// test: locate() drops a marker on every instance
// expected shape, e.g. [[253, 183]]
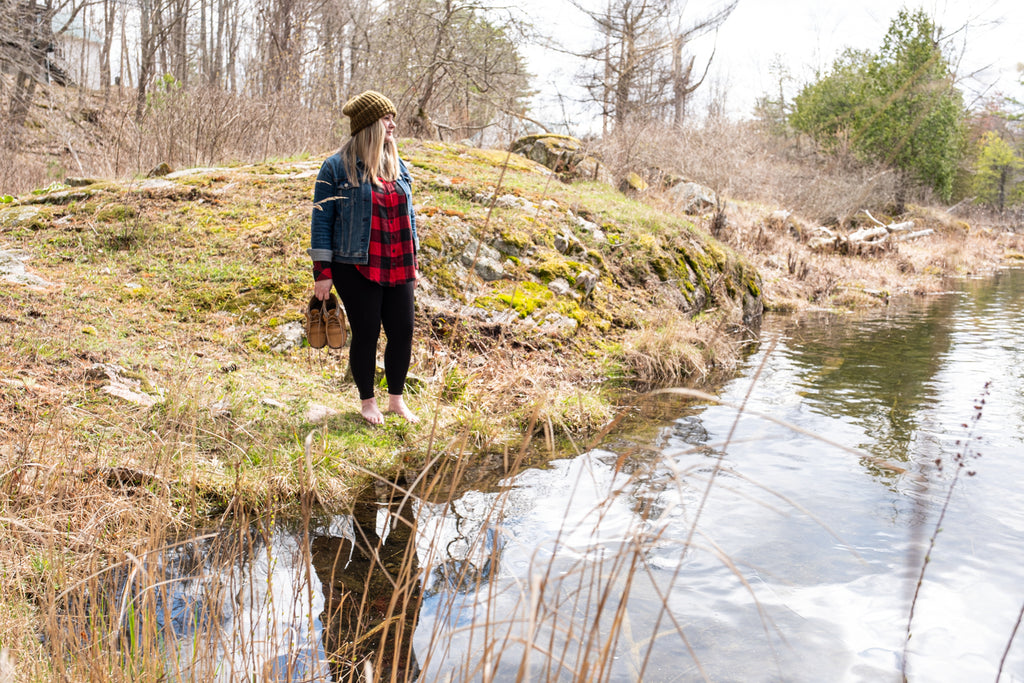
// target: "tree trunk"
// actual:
[[231, 59], [624, 84], [21, 100], [204, 48], [681, 76], [1004, 179], [902, 185], [109, 25], [147, 45]]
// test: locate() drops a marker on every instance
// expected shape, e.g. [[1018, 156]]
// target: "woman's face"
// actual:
[[389, 127]]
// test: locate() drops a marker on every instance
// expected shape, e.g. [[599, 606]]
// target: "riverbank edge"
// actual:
[[223, 438]]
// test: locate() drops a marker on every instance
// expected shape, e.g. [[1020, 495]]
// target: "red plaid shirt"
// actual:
[[392, 255]]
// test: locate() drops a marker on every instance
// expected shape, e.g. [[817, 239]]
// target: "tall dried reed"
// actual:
[[316, 595]]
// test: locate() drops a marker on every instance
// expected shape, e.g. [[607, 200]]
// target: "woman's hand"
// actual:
[[322, 289]]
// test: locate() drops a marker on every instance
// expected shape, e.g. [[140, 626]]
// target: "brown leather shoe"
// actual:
[[316, 324], [335, 320]]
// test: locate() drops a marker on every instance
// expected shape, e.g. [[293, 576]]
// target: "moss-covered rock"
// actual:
[[563, 154]]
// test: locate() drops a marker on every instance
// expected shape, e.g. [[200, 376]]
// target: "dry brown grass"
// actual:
[[757, 176], [681, 350], [796, 276], [70, 521], [71, 132]]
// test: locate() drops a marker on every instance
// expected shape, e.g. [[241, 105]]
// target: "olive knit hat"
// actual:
[[365, 108]]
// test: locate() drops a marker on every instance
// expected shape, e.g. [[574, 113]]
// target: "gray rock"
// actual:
[[127, 393], [484, 259], [12, 269], [161, 169], [559, 286], [318, 414], [589, 227], [273, 403], [79, 182], [158, 184], [586, 281], [555, 324], [583, 223], [563, 154], [568, 243], [114, 382], [693, 198], [19, 215], [477, 250], [510, 201], [489, 269], [289, 337], [510, 249]]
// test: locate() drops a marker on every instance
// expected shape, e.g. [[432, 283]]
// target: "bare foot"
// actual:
[[371, 413], [396, 404]]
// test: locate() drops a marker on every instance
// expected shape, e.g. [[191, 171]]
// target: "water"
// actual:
[[718, 544]]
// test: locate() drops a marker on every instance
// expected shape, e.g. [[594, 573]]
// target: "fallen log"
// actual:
[[864, 239], [915, 235], [867, 234]]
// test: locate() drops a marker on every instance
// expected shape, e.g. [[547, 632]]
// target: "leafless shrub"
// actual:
[[207, 125], [740, 161], [75, 132]]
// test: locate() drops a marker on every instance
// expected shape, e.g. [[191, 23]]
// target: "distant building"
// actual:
[[33, 48], [78, 55]]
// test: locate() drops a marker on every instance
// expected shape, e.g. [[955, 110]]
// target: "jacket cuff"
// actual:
[[320, 254]]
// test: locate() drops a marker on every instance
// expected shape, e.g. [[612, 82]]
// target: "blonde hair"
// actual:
[[379, 156]]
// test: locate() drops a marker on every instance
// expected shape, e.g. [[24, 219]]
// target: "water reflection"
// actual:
[[235, 603], [878, 373], [371, 588], [800, 554]]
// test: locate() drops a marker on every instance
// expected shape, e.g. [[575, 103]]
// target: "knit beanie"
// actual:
[[365, 108]]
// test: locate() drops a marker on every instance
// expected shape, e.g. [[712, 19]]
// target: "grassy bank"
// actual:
[[152, 379]]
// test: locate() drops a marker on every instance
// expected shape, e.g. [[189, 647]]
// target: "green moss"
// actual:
[[570, 309], [662, 266], [520, 239], [552, 265], [32, 218], [111, 213], [498, 158], [525, 299], [644, 241], [431, 242], [597, 258]]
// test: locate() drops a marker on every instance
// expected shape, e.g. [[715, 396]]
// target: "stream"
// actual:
[[774, 533]]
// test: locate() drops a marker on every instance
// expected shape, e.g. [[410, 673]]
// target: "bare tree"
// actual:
[[452, 65], [239, 77], [27, 49], [641, 68], [283, 26]]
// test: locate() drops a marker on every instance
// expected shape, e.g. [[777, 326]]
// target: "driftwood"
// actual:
[[865, 240]]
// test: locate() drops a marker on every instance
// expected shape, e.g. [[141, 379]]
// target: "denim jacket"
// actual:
[[340, 227]]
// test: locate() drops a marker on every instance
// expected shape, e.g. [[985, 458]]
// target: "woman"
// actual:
[[363, 241]]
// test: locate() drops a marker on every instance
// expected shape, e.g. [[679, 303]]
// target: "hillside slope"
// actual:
[[164, 333]]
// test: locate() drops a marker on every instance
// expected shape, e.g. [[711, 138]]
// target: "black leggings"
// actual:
[[369, 306]]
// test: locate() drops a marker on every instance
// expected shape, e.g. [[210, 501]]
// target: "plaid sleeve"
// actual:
[[322, 270]]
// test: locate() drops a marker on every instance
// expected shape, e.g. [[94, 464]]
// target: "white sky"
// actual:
[[805, 35]]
